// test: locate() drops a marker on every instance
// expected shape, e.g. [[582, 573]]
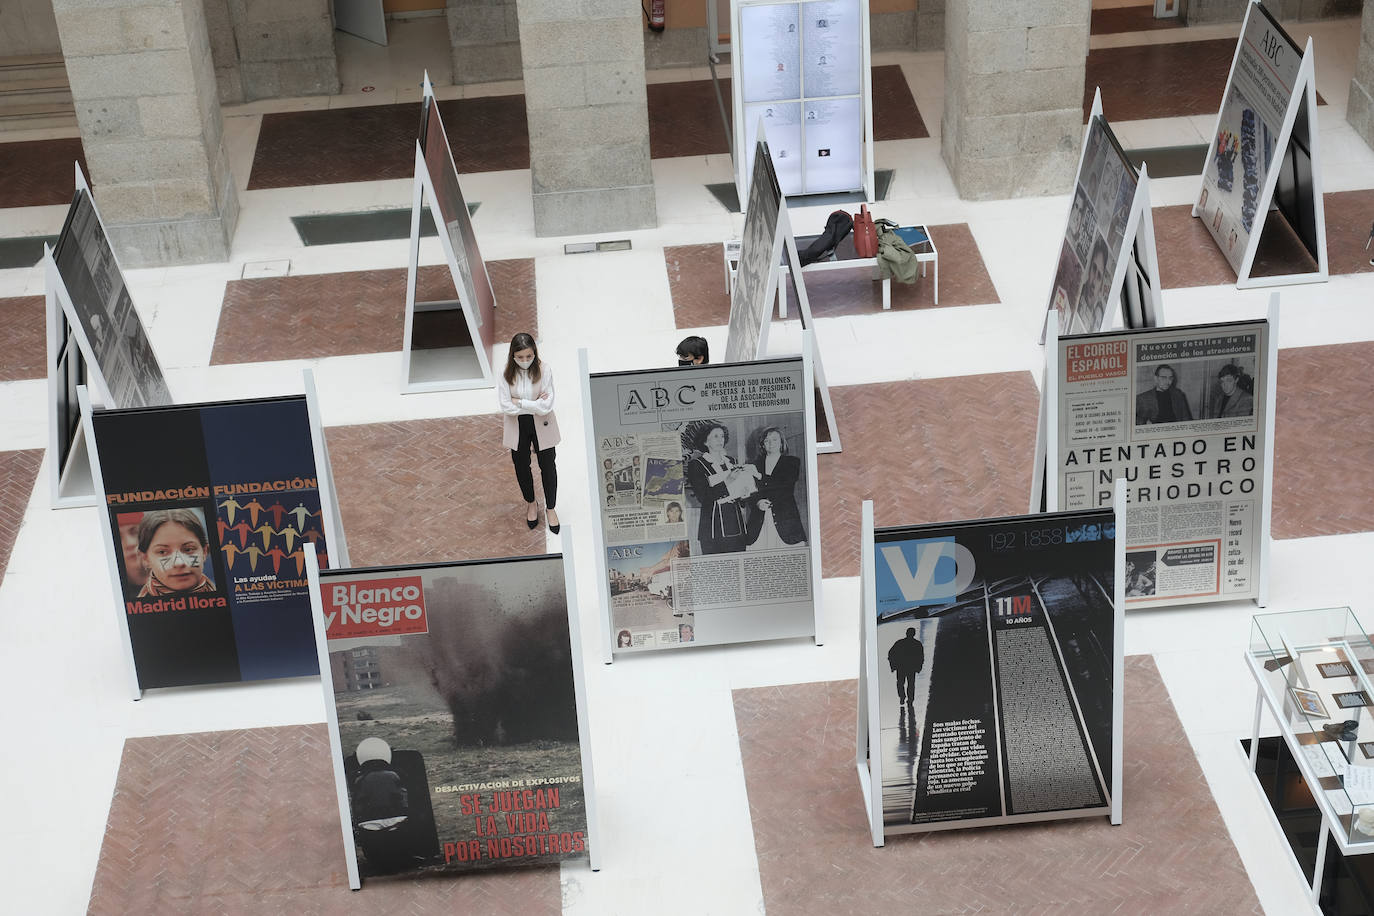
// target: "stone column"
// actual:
[[284, 47], [144, 89], [484, 36], [588, 115], [1360, 107], [1014, 71]]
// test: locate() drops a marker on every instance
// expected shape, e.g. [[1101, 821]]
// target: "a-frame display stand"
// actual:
[[433, 356], [759, 280], [73, 362], [1133, 292], [804, 68], [1264, 155], [868, 752], [330, 518]]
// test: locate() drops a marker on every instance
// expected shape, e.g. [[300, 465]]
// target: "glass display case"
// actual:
[[1315, 671]]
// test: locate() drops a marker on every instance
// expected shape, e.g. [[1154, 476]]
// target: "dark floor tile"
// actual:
[[1159, 81], [18, 473], [315, 315], [431, 490], [1130, 19], [25, 352], [696, 281], [954, 448], [377, 142], [1323, 442], [1171, 855], [684, 117], [247, 822], [39, 173]]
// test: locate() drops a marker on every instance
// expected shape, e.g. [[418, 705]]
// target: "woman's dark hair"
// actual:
[[521, 341], [706, 431], [763, 449], [159, 517], [694, 346]]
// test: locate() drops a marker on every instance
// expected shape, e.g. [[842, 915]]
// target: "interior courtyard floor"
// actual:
[[947, 382]]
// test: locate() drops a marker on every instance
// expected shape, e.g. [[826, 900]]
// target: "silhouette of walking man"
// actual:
[[906, 658]]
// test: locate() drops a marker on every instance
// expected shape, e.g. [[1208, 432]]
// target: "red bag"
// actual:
[[865, 234]]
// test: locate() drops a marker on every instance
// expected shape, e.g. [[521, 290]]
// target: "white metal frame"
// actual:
[[1304, 90], [423, 195], [744, 154]]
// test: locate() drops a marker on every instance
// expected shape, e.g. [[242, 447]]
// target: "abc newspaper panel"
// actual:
[[700, 478]]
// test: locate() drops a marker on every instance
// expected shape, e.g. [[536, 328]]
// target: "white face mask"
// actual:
[[525, 363]]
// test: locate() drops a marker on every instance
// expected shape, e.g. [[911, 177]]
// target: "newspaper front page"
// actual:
[[1181, 414], [701, 484]]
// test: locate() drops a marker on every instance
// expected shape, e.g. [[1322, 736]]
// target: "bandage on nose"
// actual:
[[179, 558]]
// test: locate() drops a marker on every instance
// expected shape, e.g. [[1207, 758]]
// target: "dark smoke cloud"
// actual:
[[507, 678]]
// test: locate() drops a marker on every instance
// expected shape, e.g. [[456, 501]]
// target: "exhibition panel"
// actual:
[[706, 516], [1108, 271], [95, 338], [766, 247], [447, 345], [457, 715], [803, 73], [1004, 637], [1185, 415], [206, 540], [1268, 118]]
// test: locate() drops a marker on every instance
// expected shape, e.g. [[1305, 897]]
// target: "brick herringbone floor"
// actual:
[[247, 822], [696, 281], [18, 471], [337, 314], [25, 352], [377, 142], [39, 173], [423, 490], [1189, 256], [926, 451], [1171, 855], [1323, 442]]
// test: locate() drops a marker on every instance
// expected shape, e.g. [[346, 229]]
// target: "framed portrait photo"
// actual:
[[1309, 701]]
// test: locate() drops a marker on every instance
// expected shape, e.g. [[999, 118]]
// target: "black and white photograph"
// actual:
[[1215, 388], [731, 554], [751, 299]]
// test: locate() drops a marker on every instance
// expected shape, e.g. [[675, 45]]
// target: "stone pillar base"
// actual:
[[595, 210]]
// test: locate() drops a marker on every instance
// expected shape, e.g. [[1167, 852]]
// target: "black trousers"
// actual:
[[520, 457]]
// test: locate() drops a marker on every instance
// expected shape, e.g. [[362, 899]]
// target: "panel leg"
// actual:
[[1255, 728], [1321, 860], [887, 293]]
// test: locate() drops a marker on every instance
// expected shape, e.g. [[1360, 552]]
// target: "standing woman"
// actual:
[[525, 392], [775, 522]]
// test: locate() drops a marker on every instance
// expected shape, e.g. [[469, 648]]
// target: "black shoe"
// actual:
[[553, 529], [533, 522]]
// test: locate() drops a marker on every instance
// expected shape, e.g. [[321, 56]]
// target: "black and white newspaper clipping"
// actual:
[[701, 483], [1181, 414]]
